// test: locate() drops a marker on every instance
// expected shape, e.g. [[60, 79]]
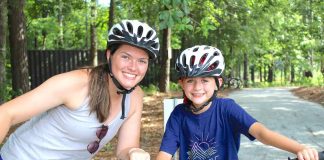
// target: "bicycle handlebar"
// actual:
[[320, 156]]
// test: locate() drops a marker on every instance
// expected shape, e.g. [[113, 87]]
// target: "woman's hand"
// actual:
[[138, 154]]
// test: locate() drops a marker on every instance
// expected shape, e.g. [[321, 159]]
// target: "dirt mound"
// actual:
[[314, 94]]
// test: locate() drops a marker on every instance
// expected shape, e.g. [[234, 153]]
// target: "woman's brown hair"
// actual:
[[98, 89], [99, 93]]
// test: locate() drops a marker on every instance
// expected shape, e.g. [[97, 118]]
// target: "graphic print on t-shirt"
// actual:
[[202, 148]]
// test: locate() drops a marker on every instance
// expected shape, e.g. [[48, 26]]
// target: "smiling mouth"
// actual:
[[197, 94], [129, 76]]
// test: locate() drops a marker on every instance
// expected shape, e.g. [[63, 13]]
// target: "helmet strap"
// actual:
[[120, 88], [194, 109], [218, 84]]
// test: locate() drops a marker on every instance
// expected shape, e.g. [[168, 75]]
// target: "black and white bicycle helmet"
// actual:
[[200, 61], [135, 33]]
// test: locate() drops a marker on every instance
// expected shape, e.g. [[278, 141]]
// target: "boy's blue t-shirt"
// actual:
[[214, 134]]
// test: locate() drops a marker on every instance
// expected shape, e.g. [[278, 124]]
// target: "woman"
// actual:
[[74, 114]]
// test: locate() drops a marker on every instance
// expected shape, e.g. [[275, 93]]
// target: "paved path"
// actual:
[[282, 112]]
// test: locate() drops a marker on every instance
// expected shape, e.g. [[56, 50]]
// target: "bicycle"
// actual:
[[320, 156], [232, 83]]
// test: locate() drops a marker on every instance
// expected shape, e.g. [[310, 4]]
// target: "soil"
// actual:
[[314, 94], [152, 118]]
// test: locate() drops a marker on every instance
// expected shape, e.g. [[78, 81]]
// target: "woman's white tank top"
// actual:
[[60, 134]]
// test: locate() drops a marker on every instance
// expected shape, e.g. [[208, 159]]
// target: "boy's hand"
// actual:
[[138, 154], [307, 154]]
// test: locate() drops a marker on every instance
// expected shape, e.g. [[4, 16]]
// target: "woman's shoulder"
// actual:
[[72, 85], [75, 77], [69, 82], [138, 92]]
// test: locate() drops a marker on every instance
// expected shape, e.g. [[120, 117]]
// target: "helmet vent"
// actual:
[[140, 31], [207, 47], [216, 53], [213, 66], [129, 27], [195, 49], [202, 59], [149, 34], [155, 45], [117, 32], [184, 60], [192, 61]]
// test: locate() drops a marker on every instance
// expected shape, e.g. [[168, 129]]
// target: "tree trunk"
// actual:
[[265, 73], [35, 41], [93, 32], [322, 65], [284, 72], [3, 38], [253, 74], [44, 32], [44, 36], [166, 53], [260, 70], [270, 73], [245, 70], [111, 14], [292, 73], [60, 19], [18, 45], [231, 67]]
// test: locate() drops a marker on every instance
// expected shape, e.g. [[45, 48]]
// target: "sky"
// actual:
[[104, 2]]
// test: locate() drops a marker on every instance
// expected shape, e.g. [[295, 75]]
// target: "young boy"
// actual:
[[208, 127]]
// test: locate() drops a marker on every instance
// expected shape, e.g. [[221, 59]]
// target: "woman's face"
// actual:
[[199, 89], [129, 65]]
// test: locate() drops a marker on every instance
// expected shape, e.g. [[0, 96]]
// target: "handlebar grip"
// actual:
[[320, 156]]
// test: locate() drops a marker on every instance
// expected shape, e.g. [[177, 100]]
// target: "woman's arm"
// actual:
[[53, 92], [269, 137], [129, 133]]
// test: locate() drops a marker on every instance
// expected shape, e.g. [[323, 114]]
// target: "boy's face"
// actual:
[[199, 89]]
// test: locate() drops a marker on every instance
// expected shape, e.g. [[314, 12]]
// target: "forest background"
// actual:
[[265, 42]]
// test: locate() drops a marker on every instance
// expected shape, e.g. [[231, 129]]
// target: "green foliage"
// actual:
[[284, 33], [316, 80], [43, 29], [175, 86], [172, 13], [206, 26], [150, 90]]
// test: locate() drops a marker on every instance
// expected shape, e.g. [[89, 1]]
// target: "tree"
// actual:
[[60, 21], [18, 46], [173, 12], [111, 14], [93, 33], [3, 38]]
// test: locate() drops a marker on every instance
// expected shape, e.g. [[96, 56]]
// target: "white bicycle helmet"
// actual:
[[200, 61], [135, 33]]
